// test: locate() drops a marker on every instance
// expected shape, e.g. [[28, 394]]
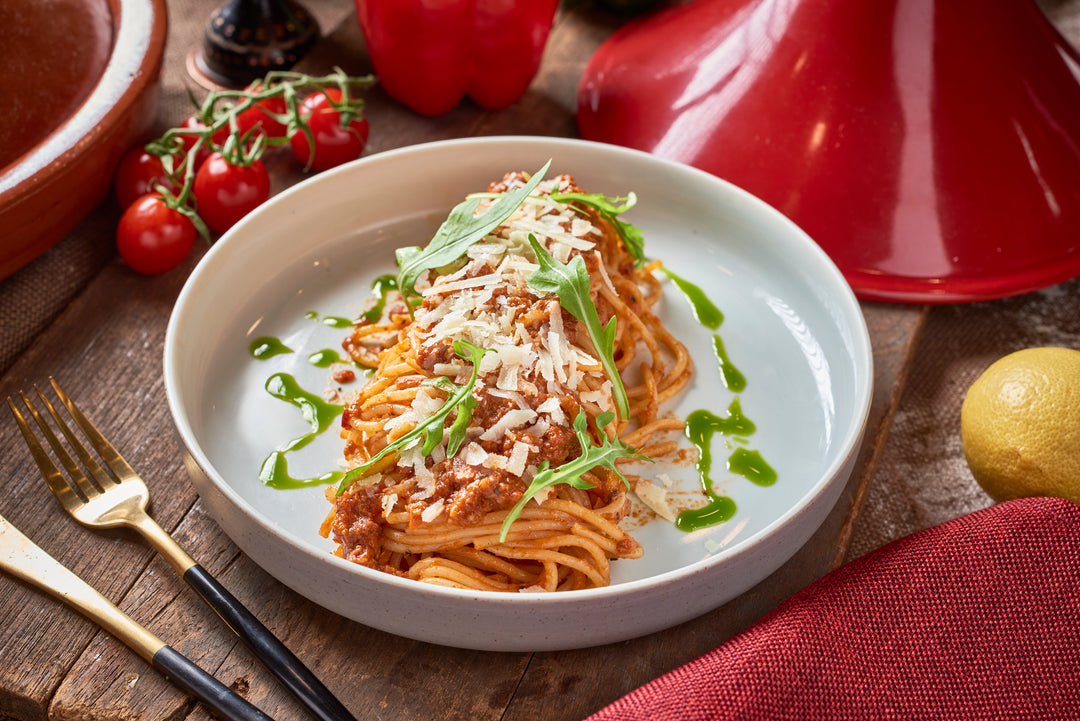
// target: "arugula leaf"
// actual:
[[460, 230], [461, 421], [570, 472], [460, 424], [631, 235], [571, 283], [431, 428]]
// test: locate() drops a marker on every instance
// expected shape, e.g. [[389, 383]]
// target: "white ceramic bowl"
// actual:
[[792, 325]]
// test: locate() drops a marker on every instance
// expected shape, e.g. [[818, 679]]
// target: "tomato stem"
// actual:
[[180, 148]]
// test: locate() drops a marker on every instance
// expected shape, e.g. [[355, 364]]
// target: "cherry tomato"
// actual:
[[334, 144], [225, 193], [260, 115], [152, 237], [136, 174]]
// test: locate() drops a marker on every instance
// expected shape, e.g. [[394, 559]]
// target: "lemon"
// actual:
[[1020, 425]]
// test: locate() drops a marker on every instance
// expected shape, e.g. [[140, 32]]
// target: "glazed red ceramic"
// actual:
[[75, 107], [931, 147]]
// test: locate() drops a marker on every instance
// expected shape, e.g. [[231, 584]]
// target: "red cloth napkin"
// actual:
[[977, 618]]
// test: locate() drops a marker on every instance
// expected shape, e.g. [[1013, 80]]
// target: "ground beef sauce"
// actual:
[[468, 491]]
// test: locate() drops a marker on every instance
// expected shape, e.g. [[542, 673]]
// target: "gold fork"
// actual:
[[119, 497]]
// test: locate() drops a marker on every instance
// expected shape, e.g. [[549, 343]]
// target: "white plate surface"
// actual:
[[792, 326]]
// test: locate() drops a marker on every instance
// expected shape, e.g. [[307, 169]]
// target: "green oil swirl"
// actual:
[[751, 466], [325, 358], [337, 322], [267, 347], [381, 287], [705, 311], [318, 413], [275, 473], [701, 426], [734, 380]]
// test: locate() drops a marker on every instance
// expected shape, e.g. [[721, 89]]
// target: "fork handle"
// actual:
[[289, 669]]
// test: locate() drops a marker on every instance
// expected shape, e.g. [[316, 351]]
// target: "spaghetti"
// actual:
[[488, 388]]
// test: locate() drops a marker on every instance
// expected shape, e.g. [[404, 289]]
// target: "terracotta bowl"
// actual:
[[74, 109]]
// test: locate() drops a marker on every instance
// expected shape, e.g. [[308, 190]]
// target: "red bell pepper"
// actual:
[[429, 54]]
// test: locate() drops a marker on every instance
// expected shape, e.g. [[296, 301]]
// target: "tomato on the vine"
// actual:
[[136, 175], [334, 144], [152, 237], [262, 114], [225, 193]]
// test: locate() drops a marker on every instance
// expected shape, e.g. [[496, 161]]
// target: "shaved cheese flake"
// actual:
[[555, 344], [550, 405], [495, 462], [426, 402], [592, 396], [542, 497], [519, 456], [450, 370], [479, 281], [655, 498], [539, 429], [555, 316], [432, 512], [513, 418], [388, 503], [545, 365], [581, 226], [473, 454], [554, 410], [414, 458], [604, 275], [408, 417]]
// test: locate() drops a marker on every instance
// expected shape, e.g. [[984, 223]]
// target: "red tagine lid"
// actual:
[[931, 148]]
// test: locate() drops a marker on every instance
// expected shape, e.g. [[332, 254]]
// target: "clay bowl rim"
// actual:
[[140, 29]]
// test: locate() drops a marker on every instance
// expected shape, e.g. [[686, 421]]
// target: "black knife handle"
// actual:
[[177, 669], [290, 670]]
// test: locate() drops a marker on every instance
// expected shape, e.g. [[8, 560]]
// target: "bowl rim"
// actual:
[[862, 361]]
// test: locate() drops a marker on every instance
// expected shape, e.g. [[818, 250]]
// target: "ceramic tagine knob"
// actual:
[[245, 39]]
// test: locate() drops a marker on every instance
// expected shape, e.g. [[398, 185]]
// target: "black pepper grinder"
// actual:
[[246, 39]]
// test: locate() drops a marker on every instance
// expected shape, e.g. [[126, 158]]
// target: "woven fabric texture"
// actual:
[[976, 618]]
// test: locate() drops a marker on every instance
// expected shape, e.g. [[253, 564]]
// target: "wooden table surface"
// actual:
[[106, 348]]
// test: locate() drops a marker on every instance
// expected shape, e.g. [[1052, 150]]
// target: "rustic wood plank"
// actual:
[[92, 360]]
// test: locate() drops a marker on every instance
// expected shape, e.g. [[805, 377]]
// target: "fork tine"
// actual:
[[60, 488], [104, 480], [76, 477], [108, 452]]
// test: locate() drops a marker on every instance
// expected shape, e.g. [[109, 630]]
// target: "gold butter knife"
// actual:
[[20, 557]]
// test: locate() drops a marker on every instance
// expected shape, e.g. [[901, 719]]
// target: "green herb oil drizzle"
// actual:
[[267, 347], [702, 425], [318, 413], [381, 287], [325, 358]]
